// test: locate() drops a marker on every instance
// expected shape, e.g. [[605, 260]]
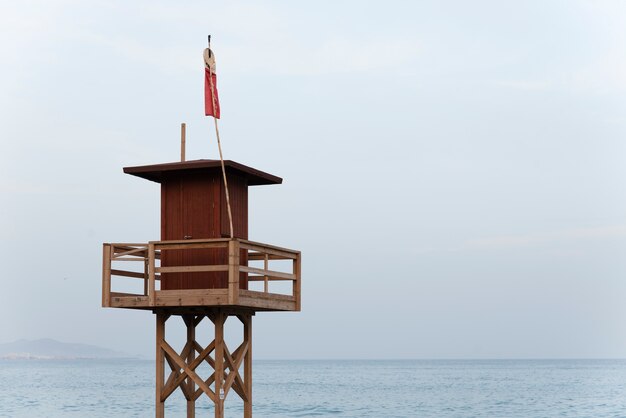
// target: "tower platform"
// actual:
[[215, 285]]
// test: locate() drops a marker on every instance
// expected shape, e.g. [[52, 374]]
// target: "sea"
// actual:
[[322, 388]]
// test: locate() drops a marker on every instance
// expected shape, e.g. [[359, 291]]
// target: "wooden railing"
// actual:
[[146, 255]]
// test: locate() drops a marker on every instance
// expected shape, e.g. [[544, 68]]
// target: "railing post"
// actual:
[[106, 275], [151, 267], [266, 267], [146, 268], [161, 318], [297, 270], [233, 271]]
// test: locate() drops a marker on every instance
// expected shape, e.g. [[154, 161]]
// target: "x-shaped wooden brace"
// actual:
[[177, 377], [233, 363], [177, 363], [181, 370]]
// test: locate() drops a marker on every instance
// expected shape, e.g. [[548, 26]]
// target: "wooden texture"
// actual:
[[155, 172], [106, 275], [161, 318], [234, 279], [225, 368], [193, 207], [202, 265], [191, 339], [247, 371], [297, 285], [232, 294], [151, 272], [219, 320], [183, 140]]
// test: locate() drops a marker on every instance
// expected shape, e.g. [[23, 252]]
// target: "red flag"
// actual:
[[208, 96]]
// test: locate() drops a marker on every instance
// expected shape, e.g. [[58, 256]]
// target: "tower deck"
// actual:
[[248, 274]]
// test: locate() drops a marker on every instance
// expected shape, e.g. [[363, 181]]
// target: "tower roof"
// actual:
[[154, 172]]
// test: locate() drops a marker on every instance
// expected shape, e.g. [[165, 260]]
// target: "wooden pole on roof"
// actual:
[[183, 128]]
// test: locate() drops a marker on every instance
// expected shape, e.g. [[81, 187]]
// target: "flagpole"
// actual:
[[219, 145]]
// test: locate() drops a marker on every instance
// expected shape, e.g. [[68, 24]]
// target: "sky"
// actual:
[[453, 171]]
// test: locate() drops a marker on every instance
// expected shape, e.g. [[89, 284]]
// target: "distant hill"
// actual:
[[52, 349]]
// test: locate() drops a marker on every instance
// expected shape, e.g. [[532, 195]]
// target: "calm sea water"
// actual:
[[508, 388]]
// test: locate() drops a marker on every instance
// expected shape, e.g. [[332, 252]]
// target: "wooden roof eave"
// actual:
[[154, 172]]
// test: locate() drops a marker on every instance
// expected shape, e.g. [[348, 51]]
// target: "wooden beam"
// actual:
[[198, 319], [192, 374], [192, 297], [247, 365], [191, 244], [267, 296], [234, 365], [183, 139], [233, 272], [128, 259], [187, 269], [270, 301], [160, 363], [266, 267], [151, 267], [125, 273], [219, 365], [269, 249], [146, 276], [276, 275], [193, 365], [123, 295], [237, 384], [261, 256], [125, 300], [223, 241], [261, 278], [141, 250], [106, 275], [204, 354], [297, 286], [176, 378]]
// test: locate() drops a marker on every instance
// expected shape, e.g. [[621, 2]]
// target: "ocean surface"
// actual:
[[420, 388]]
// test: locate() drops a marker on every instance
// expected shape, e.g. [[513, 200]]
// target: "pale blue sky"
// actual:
[[454, 171]]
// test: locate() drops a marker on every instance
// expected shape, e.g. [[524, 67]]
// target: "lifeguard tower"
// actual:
[[197, 272]]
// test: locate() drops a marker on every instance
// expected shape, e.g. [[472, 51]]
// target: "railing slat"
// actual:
[[187, 269], [270, 273], [129, 259], [288, 254], [125, 273], [166, 246], [274, 248], [273, 279], [261, 256], [131, 252]]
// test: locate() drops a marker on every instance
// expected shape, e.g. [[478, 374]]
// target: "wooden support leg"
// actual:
[[160, 363], [226, 365], [191, 339], [247, 365], [220, 318]]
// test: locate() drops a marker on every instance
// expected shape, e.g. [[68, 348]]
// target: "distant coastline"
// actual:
[[50, 349]]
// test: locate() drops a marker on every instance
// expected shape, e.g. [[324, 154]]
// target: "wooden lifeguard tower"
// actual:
[[196, 271]]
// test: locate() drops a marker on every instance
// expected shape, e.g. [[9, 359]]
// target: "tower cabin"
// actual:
[[198, 271], [196, 263]]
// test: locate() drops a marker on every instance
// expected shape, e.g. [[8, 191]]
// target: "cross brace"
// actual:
[[225, 365]]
